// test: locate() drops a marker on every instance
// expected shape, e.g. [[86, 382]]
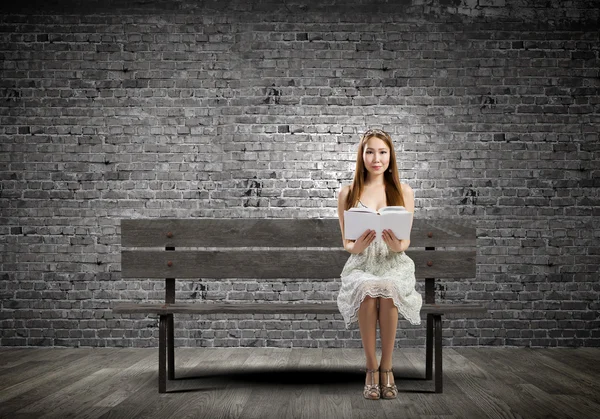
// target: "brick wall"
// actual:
[[254, 109]]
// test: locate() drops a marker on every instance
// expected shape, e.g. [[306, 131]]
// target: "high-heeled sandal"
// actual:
[[388, 391], [372, 391]]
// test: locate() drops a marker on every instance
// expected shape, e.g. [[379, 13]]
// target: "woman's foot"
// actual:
[[371, 390], [388, 387]]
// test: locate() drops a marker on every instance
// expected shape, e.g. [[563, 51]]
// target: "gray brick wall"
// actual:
[[254, 109]]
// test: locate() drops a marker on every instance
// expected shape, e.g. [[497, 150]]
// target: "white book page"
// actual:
[[356, 222], [400, 222], [392, 209], [356, 209]]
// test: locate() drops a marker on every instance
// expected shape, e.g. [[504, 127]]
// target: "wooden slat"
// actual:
[[272, 308], [271, 232], [313, 264]]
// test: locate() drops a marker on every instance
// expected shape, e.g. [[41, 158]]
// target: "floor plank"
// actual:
[[32, 364], [189, 364], [109, 383], [427, 403], [334, 363], [493, 387], [575, 358], [570, 406], [58, 374], [550, 375]]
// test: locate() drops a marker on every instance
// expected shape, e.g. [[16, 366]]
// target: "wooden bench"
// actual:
[[277, 249]]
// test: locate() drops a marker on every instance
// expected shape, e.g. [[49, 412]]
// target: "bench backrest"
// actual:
[[262, 248]]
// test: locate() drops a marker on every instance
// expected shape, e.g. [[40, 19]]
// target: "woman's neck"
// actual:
[[374, 181]]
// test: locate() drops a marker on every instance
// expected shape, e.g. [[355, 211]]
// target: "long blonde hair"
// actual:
[[393, 191]]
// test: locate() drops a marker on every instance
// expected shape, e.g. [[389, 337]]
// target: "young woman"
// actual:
[[378, 280]]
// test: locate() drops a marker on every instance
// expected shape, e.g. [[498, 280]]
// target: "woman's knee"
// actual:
[[369, 302], [386, 303]]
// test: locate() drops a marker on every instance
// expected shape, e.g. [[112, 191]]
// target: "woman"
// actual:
[[378, 280]]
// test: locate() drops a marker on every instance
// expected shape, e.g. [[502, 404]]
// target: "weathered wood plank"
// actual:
[[232, 399], [413, 360], [91, 403], [574, 405], [334, 363], [78, 385], [554, 388], [551, 373], [217, 382], [10, 358], [271, 308], [272, 366], [31, 368], [61, 371], [192, 366], [479, 382], [272, 232], [129, 404], [314, 264], [576, 359]]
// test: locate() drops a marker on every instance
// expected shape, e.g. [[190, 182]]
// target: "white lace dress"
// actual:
[[379, 272]]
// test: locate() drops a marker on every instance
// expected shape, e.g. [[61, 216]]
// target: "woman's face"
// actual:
[[376, 156]]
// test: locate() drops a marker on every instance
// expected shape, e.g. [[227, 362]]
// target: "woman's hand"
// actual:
[[393, 243], [363, 241]]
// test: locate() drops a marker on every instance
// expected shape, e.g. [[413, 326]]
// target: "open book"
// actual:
[[395, 218]]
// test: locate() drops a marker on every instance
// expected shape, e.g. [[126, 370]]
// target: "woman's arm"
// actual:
[[343, 195], [409, 203]]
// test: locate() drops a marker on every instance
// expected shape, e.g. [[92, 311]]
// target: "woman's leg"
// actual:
[[388, 323], [367, 323]]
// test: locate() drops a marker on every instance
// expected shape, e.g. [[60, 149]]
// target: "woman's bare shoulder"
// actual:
[[405, 187], [345, 190]]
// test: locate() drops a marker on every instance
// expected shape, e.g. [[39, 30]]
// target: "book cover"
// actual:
[[395, 218]]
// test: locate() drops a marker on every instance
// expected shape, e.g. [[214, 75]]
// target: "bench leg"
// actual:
[[171, 347], [429, 348], [162, 354], [437, 319]]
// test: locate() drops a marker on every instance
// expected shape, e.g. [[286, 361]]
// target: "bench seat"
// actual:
[[271, 308]]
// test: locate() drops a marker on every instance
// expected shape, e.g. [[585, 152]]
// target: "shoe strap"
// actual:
[[388, 377], [372, 376]]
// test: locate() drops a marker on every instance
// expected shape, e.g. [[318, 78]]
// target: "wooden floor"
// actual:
[[296, 383]]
